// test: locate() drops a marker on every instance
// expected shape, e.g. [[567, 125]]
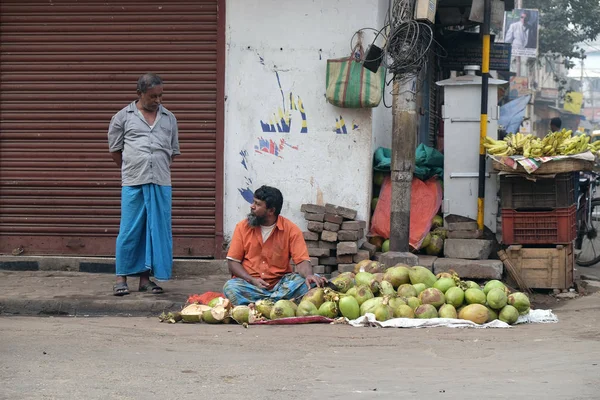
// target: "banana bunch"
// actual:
[[553, 144], [594, 147], [574, 145], [553, 141], [498, 147]]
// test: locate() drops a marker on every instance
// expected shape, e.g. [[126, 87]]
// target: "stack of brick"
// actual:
[[333, 236]]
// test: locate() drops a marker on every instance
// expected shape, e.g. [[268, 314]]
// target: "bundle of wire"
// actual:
[[407, 48]]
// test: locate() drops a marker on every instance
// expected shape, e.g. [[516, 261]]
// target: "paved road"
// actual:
[[138, 358]]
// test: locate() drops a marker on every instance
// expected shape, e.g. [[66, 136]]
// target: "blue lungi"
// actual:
[[145, 241], [240, 292]]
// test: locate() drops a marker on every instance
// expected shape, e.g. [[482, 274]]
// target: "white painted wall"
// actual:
[[292, 40]]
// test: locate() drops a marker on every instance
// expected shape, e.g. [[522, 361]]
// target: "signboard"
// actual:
[[477, 11], [465, 49], [519, 86], [549, 93], [521, 31], [573, 102]]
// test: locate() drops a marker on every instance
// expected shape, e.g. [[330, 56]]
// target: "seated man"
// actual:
[[260, 251]]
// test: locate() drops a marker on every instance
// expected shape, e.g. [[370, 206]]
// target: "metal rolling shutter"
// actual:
[[66, 67]]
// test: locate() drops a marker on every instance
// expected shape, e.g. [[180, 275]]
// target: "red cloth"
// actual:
[[204, 298]]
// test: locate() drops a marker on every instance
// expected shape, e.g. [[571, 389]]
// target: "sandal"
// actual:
[[120, 289], [152, 288]]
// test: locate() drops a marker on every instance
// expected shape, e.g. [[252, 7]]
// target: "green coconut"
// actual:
[[241, 314], [432, 296], [443, 284], [369, 305], [420, 274], [493, 284], [509, 314], [385, 247], [472, 285], [496, 298], [437, 222], [435, 246], [412, 302], [455, 296], [425, 311], [306, 308], [386, 289], [214, 302], [477, 313], [374, 202], [343, 282], [397, 275], [363, 279], [329, 309], [426, 241], [407, 290], [363, 294], [419, 287], [383, 312], [315, 296], [394, 302], [520, 301], [447, 311], [193, 312], [264, 307], [441, 232], [475, 296], [349, 307], [352, 291], [283, 309], [403, 311], [492, 315], [215, 315]]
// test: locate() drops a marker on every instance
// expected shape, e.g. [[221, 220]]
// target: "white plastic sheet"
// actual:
[[534, 316]]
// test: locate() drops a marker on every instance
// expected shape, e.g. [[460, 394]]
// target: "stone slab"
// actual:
[[427, 261], [392, 258], [319, 269], [465, 234], [344, 235], [314, 217], [462, 226], [314, 261], [347, 213], [345, 259], [328, 236], [327, 245], [470, 249], [328, 261], [312, 208], [318, 252], [312, 243], [371, 248], [330, 226], [470, 269], [347, 248], [345, 268], [310, 235], [361, 256], [315, 226], [334, 218], [354, 225]]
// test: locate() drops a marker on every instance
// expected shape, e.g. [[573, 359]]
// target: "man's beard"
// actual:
[[255, 220]]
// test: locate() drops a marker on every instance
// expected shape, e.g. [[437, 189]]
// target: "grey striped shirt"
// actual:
[[147, 151]]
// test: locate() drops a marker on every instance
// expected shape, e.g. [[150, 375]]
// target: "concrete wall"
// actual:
[[276, 62]]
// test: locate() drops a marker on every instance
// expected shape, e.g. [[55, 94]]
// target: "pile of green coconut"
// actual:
[[398, 292]]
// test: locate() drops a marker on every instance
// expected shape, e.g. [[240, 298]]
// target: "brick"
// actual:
[[392, 258], [310, 235], [361, 256], [347, 235], [344, 259], [427, 261], [346, 248], [377, 256], [361, 233], [312, 208], [465, 234], [318, 252], [314, 217], [327, 245], [470, 249], [312, 243], [328, 269], [319, 269], [329, 226], [327, 261], [314, 226], [314, 261], [345, 268], [371, 248], [462, 226], [347, 213], [470, 269], [334, 218], [328, 236], [354, 225]]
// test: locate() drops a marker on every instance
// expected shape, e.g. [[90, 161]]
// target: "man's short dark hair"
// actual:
[[148, 81], [557, 122], [271, 196]]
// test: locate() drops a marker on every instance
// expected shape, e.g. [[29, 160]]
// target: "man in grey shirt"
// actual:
[[143, 140]]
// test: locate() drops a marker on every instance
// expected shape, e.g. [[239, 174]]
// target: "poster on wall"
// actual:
[[519, 86], [521, 31]]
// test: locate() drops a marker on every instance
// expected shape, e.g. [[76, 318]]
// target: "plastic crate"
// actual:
[[544, 268], [558, 226], [520, 193]]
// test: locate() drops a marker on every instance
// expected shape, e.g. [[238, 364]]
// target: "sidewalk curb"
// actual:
[[181, 267]]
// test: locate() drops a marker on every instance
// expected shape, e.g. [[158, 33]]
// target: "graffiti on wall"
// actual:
[[268, 146], [281, 120], [245, 191], [340, 126]]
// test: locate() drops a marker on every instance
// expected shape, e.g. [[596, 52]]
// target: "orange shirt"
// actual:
[[269, 260]]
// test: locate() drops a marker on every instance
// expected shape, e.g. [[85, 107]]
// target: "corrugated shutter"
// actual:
[[68, 66]]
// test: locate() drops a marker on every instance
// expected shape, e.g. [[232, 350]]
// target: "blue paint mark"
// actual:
[[247, 194], [344, 131], [355, 127], [262, 60], [267, 127], [244, 155]]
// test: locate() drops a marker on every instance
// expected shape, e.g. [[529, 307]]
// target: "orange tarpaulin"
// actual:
[[425, 202]]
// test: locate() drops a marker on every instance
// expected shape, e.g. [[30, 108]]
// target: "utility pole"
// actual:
[[404, 142], [485, 75]]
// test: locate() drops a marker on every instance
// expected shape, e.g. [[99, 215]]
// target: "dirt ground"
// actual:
[[135, 358]]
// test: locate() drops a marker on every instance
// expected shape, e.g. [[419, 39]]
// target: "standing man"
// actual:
[[143, 140], [518, 32], [555, 124], [260, 251]]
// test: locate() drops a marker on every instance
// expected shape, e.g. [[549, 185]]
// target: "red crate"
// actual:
[[558, 226]]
